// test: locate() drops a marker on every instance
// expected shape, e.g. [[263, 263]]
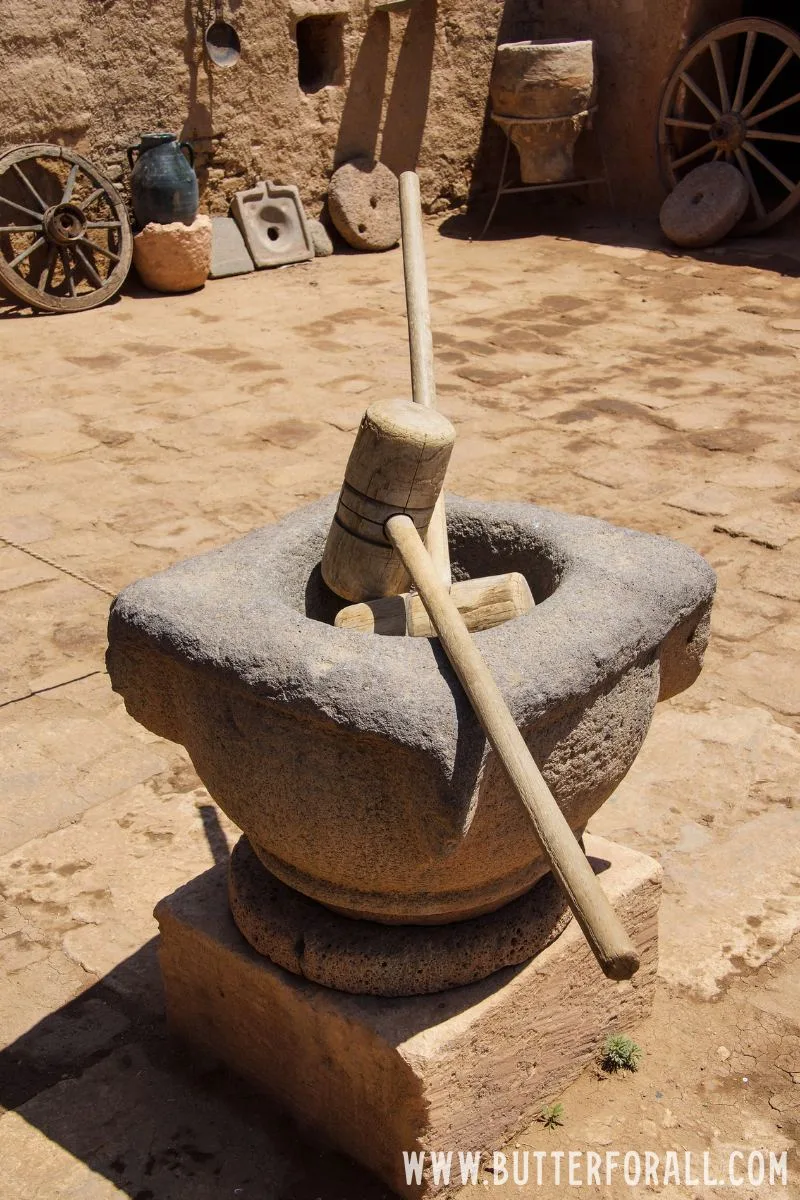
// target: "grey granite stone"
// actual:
[[320, 239], [229, 254], [354, 763], [705, 206]]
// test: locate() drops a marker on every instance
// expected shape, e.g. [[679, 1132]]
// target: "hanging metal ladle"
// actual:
[[222, 41]]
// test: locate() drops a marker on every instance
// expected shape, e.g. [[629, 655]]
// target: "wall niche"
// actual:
[[320, 52]]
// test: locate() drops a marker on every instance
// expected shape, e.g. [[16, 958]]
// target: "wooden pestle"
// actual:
[[420, 342], [393, 476], [482, 602], [397, 464]]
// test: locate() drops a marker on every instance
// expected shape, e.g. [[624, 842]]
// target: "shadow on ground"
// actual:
[[102, 1079], [113, 1089], [573, 218]]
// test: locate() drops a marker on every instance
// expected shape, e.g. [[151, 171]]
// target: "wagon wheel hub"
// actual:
[[64, 223], [729, 132]]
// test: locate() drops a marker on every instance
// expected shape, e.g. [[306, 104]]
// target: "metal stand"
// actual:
[[503, 190]]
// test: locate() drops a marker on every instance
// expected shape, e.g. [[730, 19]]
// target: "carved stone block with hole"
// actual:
[[273, 224]]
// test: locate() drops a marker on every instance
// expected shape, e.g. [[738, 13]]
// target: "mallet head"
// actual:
[[397, 465]]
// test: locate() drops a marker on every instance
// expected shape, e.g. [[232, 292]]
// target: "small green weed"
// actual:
[[620, 1053], [551, 1115]]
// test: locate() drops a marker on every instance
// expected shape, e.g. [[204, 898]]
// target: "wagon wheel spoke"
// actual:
[[768, 82], [749, 43], [722, 83], [773, 137], [100, 250], [69, 186], [103, 224], [20, 208], [46, 277], [20, 228], [744, 166], [761, 158], [687, 158], [770, 112], [24, 179], [92, 197], [89, 270], [67, 265], [680, 123], [701, 96], [749, 62], [26, 253]]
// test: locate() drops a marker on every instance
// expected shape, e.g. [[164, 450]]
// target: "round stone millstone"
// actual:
[[364, 204], [705, 206], [369, 958]]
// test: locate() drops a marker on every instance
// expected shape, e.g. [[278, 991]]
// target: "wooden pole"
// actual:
[[420, 342], [610, 943]]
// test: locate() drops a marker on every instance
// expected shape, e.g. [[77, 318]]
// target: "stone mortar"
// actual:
[[354, 763]]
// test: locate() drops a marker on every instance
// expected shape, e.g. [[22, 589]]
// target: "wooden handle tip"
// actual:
[[621, 966]]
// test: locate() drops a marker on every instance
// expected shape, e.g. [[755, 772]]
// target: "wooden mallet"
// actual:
[[375, 547], [481, 602]]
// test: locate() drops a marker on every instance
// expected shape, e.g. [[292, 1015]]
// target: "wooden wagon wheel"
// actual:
[[65, 237], [735, 96]]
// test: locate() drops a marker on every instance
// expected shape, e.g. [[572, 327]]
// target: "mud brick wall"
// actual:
[[322, 80]]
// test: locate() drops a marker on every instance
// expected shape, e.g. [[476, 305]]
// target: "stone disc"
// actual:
[[365, 957], [364, 203], [705, 205]]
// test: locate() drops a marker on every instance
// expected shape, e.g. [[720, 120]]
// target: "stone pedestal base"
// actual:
[[366, 958], [174, 257], [465, 1069]]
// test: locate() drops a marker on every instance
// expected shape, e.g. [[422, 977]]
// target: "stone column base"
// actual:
[[460, 1070], [174, 257]]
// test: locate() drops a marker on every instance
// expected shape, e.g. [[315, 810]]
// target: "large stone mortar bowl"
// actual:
[[353, 762]]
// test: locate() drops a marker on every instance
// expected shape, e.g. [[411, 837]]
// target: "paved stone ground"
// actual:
[[587, 370]]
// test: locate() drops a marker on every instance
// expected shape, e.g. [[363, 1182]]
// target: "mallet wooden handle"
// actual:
[[610, 943], [420, 341]]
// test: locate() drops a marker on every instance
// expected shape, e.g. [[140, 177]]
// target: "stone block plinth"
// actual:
[[463, 1069]]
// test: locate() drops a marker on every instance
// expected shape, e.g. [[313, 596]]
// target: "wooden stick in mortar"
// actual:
[[602, 928]]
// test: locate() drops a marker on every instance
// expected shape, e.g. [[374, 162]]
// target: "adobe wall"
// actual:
[[410, 86]]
